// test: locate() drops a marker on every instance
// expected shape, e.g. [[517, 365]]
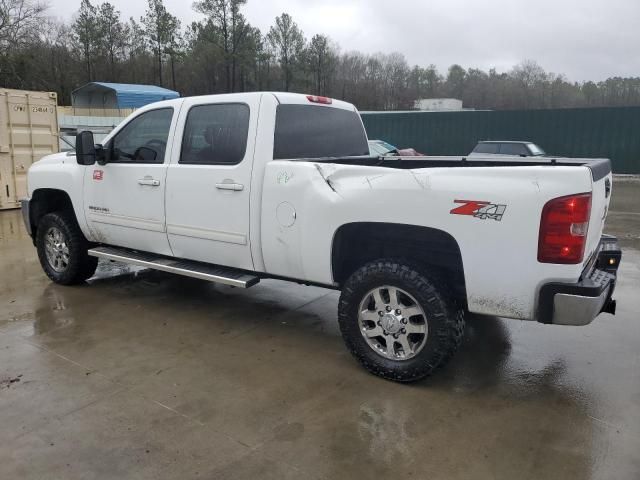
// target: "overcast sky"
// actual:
[[584, 39]]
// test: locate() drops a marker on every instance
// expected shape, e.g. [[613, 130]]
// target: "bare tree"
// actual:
[[455, 80], [18, 21], [288, 42], [531, 78], [227, 28], [112, 35], [162, 30], [85, 29], [322, 61]]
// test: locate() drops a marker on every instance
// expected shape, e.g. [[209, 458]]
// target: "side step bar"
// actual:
[[188, 268]]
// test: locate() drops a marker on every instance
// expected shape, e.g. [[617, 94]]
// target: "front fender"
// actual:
[[60, 172]]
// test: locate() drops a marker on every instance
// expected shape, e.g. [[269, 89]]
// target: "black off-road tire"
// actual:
[[80, 266], [445, 320]]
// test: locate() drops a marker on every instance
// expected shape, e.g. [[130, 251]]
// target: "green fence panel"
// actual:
[[576, 132]]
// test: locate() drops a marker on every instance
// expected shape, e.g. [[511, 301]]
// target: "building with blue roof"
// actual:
[[118, 95]]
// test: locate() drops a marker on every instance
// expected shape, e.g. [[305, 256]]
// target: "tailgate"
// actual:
[[600, 198]]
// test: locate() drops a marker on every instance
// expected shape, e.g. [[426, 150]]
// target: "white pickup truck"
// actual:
[[240, 187]]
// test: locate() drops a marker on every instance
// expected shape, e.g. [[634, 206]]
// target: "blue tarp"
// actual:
[[119, 95]]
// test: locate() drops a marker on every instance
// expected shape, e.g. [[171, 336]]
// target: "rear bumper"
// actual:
[[579, 303]]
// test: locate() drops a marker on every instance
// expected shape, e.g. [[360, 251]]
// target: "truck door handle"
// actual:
[[149, 181], [236, 187]]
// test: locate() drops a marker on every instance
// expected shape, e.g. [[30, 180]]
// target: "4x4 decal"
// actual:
[[479, 209]]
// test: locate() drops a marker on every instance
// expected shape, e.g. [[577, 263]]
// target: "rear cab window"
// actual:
[[313, 131]]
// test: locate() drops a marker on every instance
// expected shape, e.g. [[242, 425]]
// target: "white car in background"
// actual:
[[507, 147]]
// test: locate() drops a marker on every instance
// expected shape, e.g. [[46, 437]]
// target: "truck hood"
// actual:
[[60, 157]]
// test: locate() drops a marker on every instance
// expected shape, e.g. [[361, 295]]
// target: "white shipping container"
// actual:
[[438, 104], [28, 131]]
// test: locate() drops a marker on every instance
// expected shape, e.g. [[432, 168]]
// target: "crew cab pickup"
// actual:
[[241, 187]]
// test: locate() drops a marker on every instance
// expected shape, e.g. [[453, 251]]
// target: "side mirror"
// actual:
[[85, 148], [101, 154]]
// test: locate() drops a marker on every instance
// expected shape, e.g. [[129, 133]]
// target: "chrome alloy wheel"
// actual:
[[392, 322], [56, 249]]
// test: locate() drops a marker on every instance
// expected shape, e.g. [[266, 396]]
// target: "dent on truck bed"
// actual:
[[326, 175], [369, 175]]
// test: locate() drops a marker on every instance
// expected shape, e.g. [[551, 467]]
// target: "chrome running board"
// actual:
[[187, 268]]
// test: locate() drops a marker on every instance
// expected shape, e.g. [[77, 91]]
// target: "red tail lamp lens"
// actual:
[[563, 229]]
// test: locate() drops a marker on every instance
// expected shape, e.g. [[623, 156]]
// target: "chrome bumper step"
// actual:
[[188, 268]]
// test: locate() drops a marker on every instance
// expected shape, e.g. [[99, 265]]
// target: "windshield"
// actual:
[[535, 150]]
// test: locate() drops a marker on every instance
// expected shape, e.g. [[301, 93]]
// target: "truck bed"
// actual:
[[600, 167]]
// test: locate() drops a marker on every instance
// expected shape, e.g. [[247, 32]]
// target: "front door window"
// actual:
[[143, 139]]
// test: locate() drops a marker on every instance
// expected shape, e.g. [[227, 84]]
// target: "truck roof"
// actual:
[[281, 97], [506, 141]]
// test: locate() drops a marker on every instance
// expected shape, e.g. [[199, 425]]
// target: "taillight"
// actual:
[[318, 99], [563, 229]]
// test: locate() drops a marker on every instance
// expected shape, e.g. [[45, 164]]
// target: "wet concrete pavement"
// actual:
[[142, 374]]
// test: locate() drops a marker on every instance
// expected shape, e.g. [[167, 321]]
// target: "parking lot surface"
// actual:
[[141, 374]]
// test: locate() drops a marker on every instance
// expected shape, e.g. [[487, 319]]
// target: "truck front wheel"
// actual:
[[396, 322], [62, 249]]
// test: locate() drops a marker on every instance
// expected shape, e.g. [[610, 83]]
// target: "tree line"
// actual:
[[223, 52]]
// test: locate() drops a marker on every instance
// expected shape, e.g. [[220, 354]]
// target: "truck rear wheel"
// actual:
[[62, 249], [397, 323]]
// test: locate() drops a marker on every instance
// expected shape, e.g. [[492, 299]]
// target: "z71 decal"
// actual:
[[479, 209]]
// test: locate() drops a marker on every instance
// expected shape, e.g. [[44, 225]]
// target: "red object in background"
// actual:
[[97, 174], [409, 152]]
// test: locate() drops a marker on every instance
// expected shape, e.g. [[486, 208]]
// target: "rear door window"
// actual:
[[215, 134], [490, 148], [311, 131], [513, 149]]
